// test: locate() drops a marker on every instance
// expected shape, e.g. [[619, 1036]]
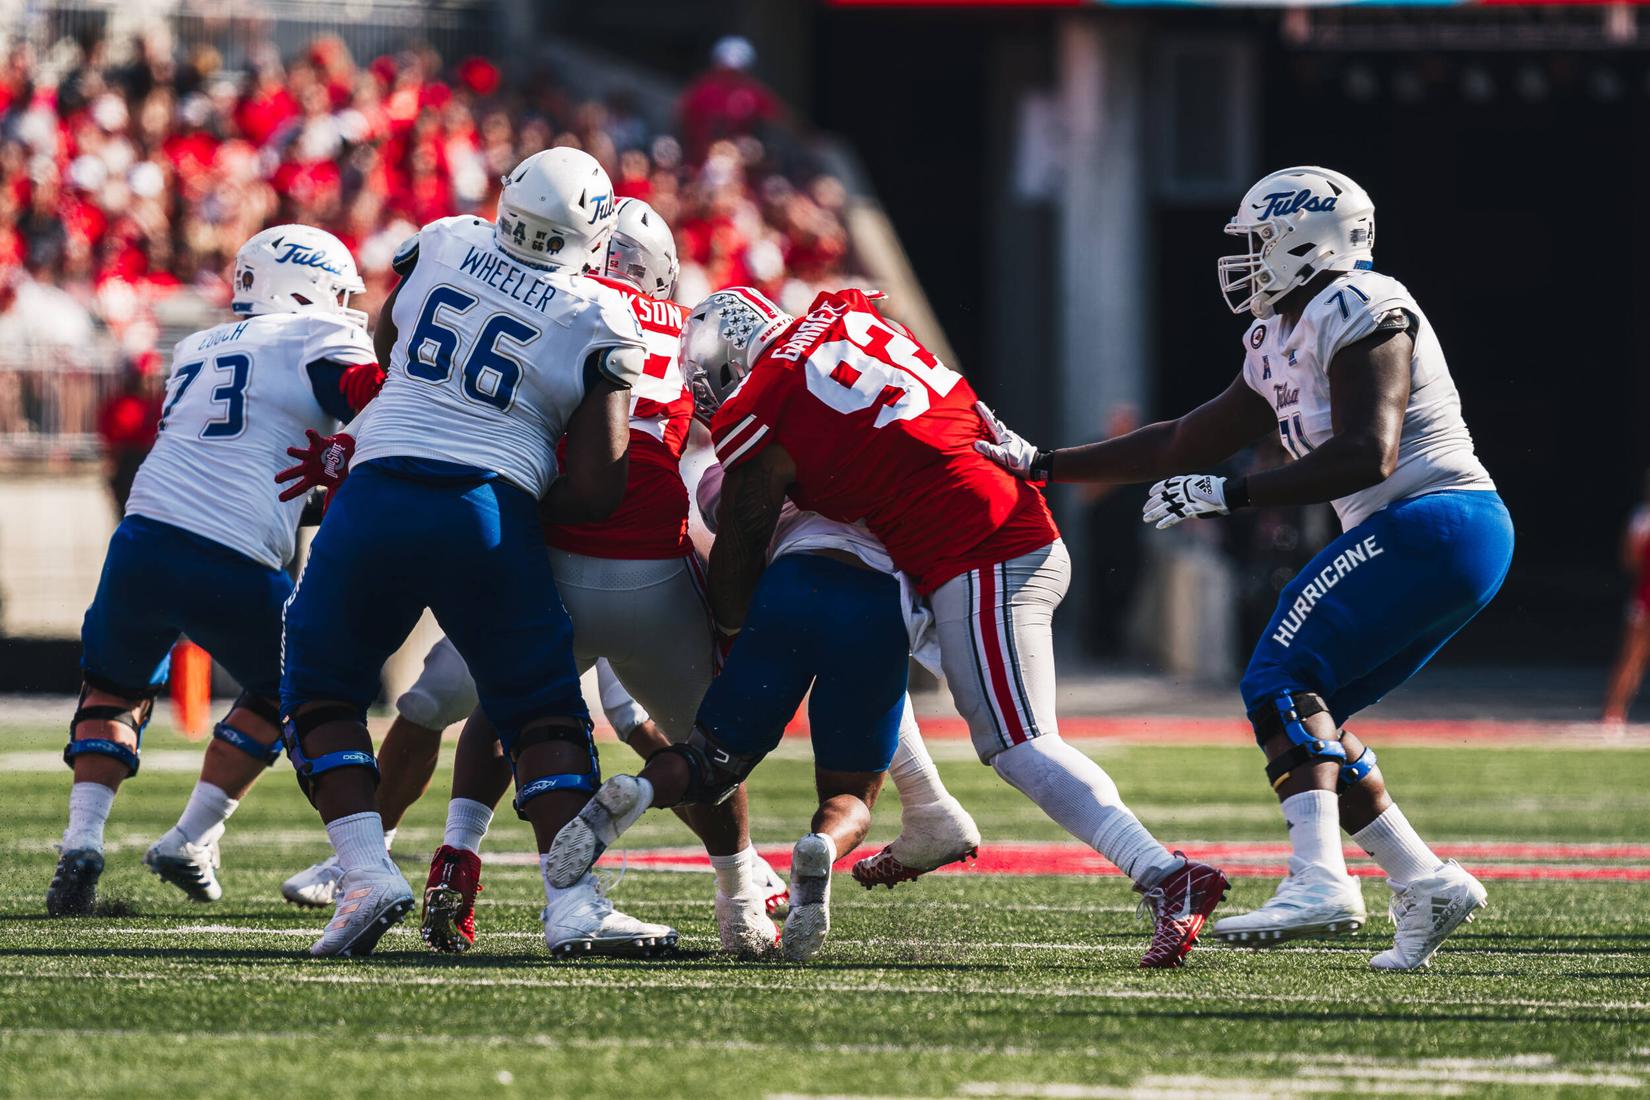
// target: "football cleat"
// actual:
[[746, 930], [615, 807], [581, 921], [192, 868], [809, 920], [449, 922], [930, 837], [371, 900], [1179, 905], [1426, 911], [776, 896], [316, 886], [73, 892], [1310, 904]]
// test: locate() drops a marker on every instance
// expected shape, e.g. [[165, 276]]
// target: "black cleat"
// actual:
[[73, 892]]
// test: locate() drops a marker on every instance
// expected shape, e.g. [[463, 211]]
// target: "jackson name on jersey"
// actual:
[[237, 397], [1289, 367], [489, 359]]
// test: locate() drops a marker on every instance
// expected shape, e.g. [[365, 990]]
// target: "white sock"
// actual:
[[551, 893], [1314, 820], [467, 822], [1393, 843], [359, 841], [912, 769], [89, 805], [735, 874], [389, 839], [203, 818], [1081, 797]]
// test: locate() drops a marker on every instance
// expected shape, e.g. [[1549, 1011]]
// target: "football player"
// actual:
[[832, 621], [495, 345], [204, 544], [854, 419], [1341, 363]]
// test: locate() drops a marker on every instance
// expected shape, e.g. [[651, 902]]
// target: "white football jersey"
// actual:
[[238, 396], [489, 355], [1289, 367]]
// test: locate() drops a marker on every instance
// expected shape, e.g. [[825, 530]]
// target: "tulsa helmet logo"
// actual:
[[1283, 203], [304, 256], [601, 206]]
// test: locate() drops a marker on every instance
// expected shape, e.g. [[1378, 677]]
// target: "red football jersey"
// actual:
[[652, 520], [882, 431]]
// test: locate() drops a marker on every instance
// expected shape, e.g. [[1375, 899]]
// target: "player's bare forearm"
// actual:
[[1204, 437], [753, 494], [1369, 388], [383, 337], [597, 466]]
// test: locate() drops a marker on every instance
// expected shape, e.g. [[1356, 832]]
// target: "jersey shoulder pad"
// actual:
[[1353, 308], [613, 318], [745, 422], [406, 257], [335, 338]]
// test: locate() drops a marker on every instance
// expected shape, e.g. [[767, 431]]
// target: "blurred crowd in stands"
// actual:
[[130, 171]]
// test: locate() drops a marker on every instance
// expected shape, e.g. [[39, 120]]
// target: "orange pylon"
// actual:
[[191, 689]]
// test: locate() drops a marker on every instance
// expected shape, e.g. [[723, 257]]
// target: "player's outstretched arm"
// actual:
[[753, 493], [1206, 436], [597, 463], [1369, 392]]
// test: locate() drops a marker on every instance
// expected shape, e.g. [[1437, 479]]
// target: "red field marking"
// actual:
[[1159, 729], [1580, 861]]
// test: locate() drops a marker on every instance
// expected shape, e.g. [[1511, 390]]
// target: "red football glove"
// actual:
[[324, 463]]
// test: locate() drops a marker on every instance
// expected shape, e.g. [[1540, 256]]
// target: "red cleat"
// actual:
[[885, 868], [450, 900], [1180, 904]]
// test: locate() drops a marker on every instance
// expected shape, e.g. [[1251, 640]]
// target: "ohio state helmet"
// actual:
[[641, 251], [556, 210], [721, 340], [296, 269], [1297, 222]]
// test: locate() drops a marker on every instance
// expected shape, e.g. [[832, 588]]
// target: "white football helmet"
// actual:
[[556, 210], [722, 338], [641, 251], [1298, 222], [296, 269]]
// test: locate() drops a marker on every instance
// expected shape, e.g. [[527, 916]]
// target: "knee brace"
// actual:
[[586, 781], [1286, 715], [134, 716], [264, 708], [295, 729], [714, 770]]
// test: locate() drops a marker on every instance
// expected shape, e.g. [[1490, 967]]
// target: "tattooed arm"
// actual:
[[752, 495]]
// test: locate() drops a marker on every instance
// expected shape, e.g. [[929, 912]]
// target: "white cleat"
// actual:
[[1310, 904], [371, 900], [810, 918], [930, 837], [582, 921], [615, 807], [192, 868], [746, 930], [316, 886], [1427, 911], [776, 896]]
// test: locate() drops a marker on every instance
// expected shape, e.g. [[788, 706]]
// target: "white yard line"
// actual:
[[630, 981]]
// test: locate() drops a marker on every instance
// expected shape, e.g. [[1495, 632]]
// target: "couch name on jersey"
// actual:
[[531, 290], [1283, 203], [813, 326], [1286, 395]]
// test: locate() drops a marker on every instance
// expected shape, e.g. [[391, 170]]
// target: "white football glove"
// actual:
[[1180, 498], [1010, 450]]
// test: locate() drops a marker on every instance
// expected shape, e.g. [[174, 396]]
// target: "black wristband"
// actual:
[[1237, 493], [1042, 467]]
